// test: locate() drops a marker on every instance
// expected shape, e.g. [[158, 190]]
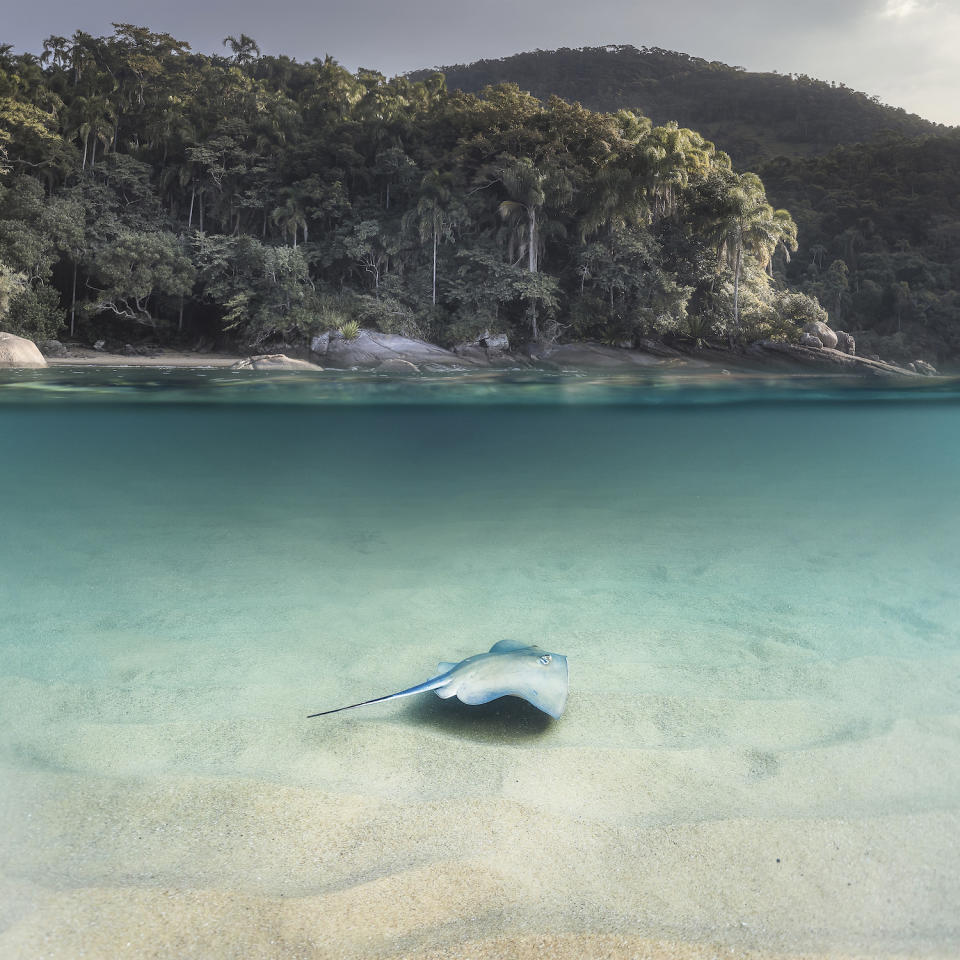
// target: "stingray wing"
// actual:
[[510, 646], [544, 686]]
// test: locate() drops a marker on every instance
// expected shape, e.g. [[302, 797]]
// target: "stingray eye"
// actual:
[[545, 659]]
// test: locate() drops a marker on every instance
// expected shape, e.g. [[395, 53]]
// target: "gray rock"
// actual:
[[819, 329], [19, 352], [910, 365], [873, 356], [823, 358], [809, 340], [928, 369], [100, 345], [52, 348], [370, 349], [494, 342], [395, 366], [274, 361], [320, 344], [473, 352], [846, 343]]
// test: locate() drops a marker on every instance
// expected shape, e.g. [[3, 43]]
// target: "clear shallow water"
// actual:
[[757, 584]]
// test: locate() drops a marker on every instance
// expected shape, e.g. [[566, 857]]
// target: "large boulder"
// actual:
[[52, 348], [320, 344], [489, 349], [809, 340], [274, 361], [494, 343], [19, 352], [370, 348], [817, 328], [927, 369], [846, 343]]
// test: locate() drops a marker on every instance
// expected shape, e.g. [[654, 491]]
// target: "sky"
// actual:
[[903, 51]]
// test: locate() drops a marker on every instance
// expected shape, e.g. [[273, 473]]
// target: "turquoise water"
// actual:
[[757, 585]]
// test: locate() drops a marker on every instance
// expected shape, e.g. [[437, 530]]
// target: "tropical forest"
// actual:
[[150, 193]]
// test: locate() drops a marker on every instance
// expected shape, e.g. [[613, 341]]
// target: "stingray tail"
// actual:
[[431, 684]]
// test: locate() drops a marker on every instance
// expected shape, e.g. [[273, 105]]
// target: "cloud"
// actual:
[[898, 9]]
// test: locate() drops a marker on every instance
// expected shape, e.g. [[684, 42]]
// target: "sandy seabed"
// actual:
[[539, 852], [760, 755]]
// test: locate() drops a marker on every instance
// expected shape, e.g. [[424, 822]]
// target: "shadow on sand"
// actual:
[[507, 720]]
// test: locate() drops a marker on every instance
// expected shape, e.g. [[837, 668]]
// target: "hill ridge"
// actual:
[[753, 115]]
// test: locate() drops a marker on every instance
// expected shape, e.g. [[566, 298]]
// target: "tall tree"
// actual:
[[435, 215]]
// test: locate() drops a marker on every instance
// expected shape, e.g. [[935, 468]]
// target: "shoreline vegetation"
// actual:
[[152, 195]]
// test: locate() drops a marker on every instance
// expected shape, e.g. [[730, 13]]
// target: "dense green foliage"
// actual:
[[881, 250], [875, 191], [147, 188], [752, 116]]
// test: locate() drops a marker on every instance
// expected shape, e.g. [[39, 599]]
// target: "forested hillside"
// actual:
[[147, 190], [874, 191], [752, 116], [880, 228]]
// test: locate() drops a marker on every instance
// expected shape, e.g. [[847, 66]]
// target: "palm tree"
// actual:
[[290, 217], [57, 50], [525, 186], [244, 48], [672, 155], [529, 189], [748, 224], [614, 199], [91, 116], [782, 237], [434, 216]]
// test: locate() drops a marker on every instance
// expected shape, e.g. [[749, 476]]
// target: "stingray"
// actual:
[[510, 669]]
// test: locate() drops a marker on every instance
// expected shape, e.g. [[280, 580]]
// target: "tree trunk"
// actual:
[[193, 195], [532, 258], [434, 266], [83, 166], [736, 290], [73, 299], [532, 262]]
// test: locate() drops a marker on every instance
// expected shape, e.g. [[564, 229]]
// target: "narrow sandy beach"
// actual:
[[85, 357]]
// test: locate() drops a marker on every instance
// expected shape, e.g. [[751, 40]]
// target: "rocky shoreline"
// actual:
[[395, 355]]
